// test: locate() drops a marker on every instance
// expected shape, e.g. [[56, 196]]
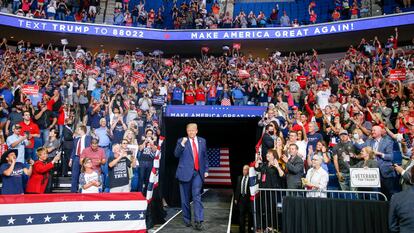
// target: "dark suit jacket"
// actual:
[[88, 140], [237, 193], [295, 172], [384, 164], [185, 169], [401, 217], [267, 143], [67, 136]]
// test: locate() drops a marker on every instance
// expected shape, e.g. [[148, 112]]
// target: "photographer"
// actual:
[[41, 171], [43, 118], [145, 102], [146, 155], [118, 127]]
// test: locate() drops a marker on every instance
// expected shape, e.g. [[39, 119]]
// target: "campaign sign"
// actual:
[[398, 74], [365, 177], [30, 89]]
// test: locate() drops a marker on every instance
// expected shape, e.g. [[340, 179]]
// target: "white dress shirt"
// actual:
[[319, 178]]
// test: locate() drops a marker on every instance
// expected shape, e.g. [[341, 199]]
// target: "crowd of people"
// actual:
[[97, 115], [188, 15], [351, 114]]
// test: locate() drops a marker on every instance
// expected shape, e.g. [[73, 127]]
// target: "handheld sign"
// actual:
[[365, 177]]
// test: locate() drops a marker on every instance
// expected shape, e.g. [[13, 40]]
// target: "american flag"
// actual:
[[219, 169], [104, 212]]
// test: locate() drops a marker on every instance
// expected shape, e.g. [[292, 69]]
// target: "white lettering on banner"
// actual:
[[291, 33], [127, 33], [334, 28], [70, 28], [210, 115], [101, 31], [245, 35], [365, 177], [29, 25]]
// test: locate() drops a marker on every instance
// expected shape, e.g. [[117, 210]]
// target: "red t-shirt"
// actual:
[[32, 128], [189, 97], [50, 104], [200, 95], [302, 81], [61, 117]]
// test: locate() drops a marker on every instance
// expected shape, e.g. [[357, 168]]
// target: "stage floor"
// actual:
[[216, 214]]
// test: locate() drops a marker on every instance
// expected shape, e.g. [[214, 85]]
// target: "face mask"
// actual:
[[271, 132], [356, 136]]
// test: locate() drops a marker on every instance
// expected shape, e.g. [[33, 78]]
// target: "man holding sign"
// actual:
[[382, 147]]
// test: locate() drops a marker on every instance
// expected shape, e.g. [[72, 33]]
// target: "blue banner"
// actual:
[[213, 111], [202, 35]]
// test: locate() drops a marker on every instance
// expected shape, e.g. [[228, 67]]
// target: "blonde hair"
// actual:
[[40, 151], [370, 152], [191, 125]]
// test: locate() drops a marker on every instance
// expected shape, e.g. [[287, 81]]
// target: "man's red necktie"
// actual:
[[78, 149], [195, 153]]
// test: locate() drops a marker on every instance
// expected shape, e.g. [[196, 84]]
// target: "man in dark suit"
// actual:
[[401, 217], [67, 145], [294, 166], [80, 143], [267, 141], [242, 199], [192, 169], [383, 147]]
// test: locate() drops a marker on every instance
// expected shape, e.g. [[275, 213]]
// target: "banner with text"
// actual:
[[214, 111], [219, 34], [365, 177]]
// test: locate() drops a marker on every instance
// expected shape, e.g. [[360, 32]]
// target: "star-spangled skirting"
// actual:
[[55, 213], [68, 217]]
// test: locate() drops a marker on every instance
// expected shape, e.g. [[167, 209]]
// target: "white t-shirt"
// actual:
[[91, 83], [323, 98], [88, 178]]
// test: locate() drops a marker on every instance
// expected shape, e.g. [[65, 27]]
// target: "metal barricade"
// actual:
[[267, 207]]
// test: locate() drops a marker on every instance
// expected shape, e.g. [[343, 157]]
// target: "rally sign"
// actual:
[[30, 89], [365, 177], [398, 74]]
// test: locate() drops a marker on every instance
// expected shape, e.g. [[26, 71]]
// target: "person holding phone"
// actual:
[[40, 175], [11, 172]]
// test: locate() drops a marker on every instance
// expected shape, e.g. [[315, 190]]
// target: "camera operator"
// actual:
[[118, 127], [146, 154]]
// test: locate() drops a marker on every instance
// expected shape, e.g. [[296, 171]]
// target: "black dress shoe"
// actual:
[[188, 224], [198, 226]]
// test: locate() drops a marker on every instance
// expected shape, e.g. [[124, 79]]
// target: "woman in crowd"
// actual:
[[317, 178], [12, 173], [41, 171], [146, 155], [322, 151], [89, 180], [272, 177]]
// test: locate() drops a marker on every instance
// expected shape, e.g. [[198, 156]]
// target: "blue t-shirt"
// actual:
[[177, 94], [12, 184], [313, 139], [237, 93], [118, 133]]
